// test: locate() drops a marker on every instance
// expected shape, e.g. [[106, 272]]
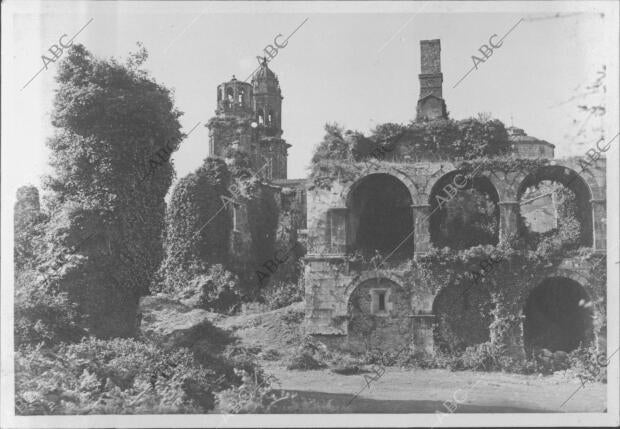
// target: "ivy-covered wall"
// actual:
[[337, 289], [491, 309]]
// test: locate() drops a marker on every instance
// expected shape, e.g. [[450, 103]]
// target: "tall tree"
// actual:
[[115, 131]]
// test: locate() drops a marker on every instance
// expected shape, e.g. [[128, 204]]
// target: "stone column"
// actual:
[[337, 230], [599, 224], [421, 228], [508, 219], [423, 341], [508, 327]]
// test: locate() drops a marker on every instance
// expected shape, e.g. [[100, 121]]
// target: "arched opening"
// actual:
[[462, 317], [464, 212], [230, 94], [558, 316], [240, 96], [554, 204], [379, 312], [380, 216], [271, 117], [260, 116]]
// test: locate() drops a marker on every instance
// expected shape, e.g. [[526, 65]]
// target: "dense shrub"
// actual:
[[469, 219], [197, 225], [588, 364], [442, 138], [281, 294], [310, 354], [304, 360], [216, 290], [110, 119], [119, 376], [28, 225], [253, 396], [43, 315], [271, 354]]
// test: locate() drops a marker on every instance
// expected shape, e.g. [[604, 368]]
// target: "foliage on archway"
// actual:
[[555, 209], [468, 216], [462, 317]]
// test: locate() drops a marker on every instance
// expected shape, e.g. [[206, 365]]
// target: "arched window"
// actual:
[[230, 95], [271, 117], [554, 201], [261, 116], [240, 96], [379, 217]]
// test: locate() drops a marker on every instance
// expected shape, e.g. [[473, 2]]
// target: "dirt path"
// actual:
[[424, 391]]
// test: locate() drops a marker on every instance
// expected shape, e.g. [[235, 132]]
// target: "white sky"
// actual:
[[356, 64]]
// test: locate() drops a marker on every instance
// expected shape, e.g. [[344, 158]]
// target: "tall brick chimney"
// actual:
[[431, 104]]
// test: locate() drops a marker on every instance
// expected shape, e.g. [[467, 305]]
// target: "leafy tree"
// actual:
[[110, 120], [27, 226], [333, 145], [468, 219], [198, 225]]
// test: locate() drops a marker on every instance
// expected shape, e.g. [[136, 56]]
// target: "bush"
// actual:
[[244, 358], [216, 290], [271, 354], [481, 357], [346, 365], [310, 354], [43, 315], [587, 364], [120, 376], [282, 294], [304, 360], [252, 396]]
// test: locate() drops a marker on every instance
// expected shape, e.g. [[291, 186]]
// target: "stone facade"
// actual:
[[342, 296], [260, 104], [360, 306]]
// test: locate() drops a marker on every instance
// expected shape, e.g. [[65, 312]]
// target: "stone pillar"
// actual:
[[421, 228], [508, 328], [337, 230], [599, 224], [422, 325], [508, 219]]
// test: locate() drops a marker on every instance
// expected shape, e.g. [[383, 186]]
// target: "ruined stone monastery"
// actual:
[[390, 208]]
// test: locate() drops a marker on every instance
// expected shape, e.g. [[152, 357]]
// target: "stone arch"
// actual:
[[230, 94], [370, 327], [556, 315], [446, 191], [570, 179], [372, 275], [405, 179], [593, 175], [379, 216]]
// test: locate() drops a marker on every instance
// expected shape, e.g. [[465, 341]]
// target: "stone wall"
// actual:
[[331, 277]]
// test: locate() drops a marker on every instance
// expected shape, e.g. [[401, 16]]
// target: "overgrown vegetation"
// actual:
[[109, 119], [441, 139], [119, 376], [83, 261]]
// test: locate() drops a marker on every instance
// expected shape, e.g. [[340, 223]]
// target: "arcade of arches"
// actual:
[[391, 208]]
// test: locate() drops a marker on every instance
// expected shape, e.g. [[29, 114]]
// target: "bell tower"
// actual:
[[248, 118], [267, 105]]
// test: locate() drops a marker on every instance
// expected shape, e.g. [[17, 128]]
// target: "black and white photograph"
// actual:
[[310, 214]]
